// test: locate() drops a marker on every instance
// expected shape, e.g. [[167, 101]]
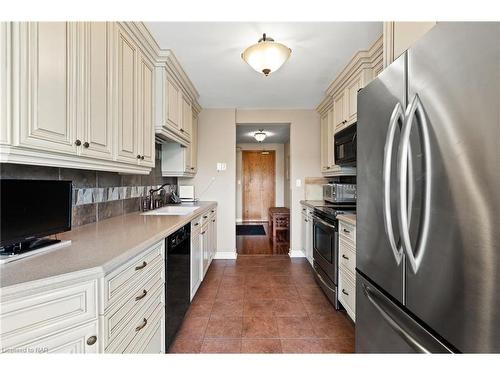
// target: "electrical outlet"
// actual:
[[298, 182], [221, 167]]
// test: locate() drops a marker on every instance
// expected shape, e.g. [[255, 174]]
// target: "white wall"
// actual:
[[279, 173], [217, 143], [305, 158]]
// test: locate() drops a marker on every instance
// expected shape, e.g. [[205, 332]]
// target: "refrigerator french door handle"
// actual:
[[415, 109], [396, 116], [410, 340]]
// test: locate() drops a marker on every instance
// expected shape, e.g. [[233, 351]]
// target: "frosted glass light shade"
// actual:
[[266, 56], [260, 135]]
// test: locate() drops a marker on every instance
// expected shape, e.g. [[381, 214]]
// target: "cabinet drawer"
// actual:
[[119, 281], [347, 256], [117, 319], [138, 323], [40, 314], [205, 218], [347, 293], [347, 232], [151, 339]]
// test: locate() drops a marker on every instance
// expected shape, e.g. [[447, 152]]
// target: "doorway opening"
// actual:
[[263, 189]]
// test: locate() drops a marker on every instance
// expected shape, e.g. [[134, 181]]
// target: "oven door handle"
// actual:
[[324, 282], [324, 222]]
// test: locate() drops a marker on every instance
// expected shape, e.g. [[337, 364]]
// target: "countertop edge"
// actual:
[[105, 268]]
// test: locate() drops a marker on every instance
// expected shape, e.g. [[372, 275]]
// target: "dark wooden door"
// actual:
[[259, 175]]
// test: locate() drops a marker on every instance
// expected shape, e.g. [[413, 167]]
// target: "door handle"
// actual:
[[415, 110], [396, 116], [410, 340]]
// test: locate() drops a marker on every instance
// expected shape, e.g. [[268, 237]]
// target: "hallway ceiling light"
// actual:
[[260, 135], [266, 56]]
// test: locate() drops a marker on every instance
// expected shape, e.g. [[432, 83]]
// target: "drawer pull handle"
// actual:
[[91, 340], [204, 232], [212, 211], [343, 291], [144, 292], [346, 231], [196, 224], [343, 256], [213, 221], [144, 264], [205, 217], [144, 322]]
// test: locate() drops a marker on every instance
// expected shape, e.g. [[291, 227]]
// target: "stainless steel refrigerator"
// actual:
[[428, 215]]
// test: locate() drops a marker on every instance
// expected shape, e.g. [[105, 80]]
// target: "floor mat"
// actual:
[[250, 230]]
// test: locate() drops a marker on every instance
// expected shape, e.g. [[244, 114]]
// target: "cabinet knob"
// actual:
[[182, 130], [138, 156], [192, 168], [78, 142], [142, 157], [86, 144], [91, 340]]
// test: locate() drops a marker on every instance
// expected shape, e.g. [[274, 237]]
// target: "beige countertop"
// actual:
[[100, 246], [347, 218]]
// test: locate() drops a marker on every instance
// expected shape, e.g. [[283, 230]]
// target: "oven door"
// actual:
[[325, 247]]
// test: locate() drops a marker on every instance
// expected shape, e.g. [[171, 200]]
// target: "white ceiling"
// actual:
[[276, 133], [210, 53]]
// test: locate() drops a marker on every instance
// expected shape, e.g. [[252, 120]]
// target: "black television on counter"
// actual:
[[31, 210]]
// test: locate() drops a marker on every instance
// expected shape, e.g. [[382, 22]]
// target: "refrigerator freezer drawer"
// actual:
[[382, 326]]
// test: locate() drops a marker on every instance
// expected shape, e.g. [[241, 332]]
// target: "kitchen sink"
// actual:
[[172, 210]]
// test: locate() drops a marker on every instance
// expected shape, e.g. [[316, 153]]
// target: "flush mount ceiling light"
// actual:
[[260, 135], [266, 56]]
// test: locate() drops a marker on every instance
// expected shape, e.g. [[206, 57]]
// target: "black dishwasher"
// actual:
[[178, 280]]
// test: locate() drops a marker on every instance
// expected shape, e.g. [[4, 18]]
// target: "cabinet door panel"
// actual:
[[48, 114], [339, 110], [187, 117], [127, 121], [352, 99], [145, 109], [194, 146], [173, 106], [5, 74], [196, 263], [96, 127]]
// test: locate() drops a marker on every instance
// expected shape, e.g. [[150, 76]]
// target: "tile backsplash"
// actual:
[[96, 195]]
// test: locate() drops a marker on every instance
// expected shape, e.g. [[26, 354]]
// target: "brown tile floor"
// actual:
[[265, 244], [262, 304]]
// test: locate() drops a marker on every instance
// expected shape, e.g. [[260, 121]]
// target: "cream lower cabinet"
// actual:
[[307, 233], [203, 246], [61, 316], [347, 268], [79, 95], [196, 257], [122, 311]]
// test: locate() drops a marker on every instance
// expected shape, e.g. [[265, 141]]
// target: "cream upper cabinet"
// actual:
[[194, 145], [352, 98], [95, 131], [399, 36], [145, 112], [187, 117], [48, 87], [5, 72], [339, 112], [174, 105], [324, 143]]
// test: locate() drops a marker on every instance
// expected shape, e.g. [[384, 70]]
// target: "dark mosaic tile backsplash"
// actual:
[[96, 195]]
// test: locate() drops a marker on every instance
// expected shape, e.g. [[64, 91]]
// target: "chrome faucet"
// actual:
[[151, 195]]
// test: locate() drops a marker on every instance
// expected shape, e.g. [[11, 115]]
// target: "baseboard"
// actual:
[[296, 254], [225, 255]]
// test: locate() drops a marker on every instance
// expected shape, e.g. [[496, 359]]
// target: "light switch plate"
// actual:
[[298, 182]]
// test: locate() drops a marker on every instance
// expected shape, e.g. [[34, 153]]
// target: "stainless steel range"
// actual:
[[325, 248]]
